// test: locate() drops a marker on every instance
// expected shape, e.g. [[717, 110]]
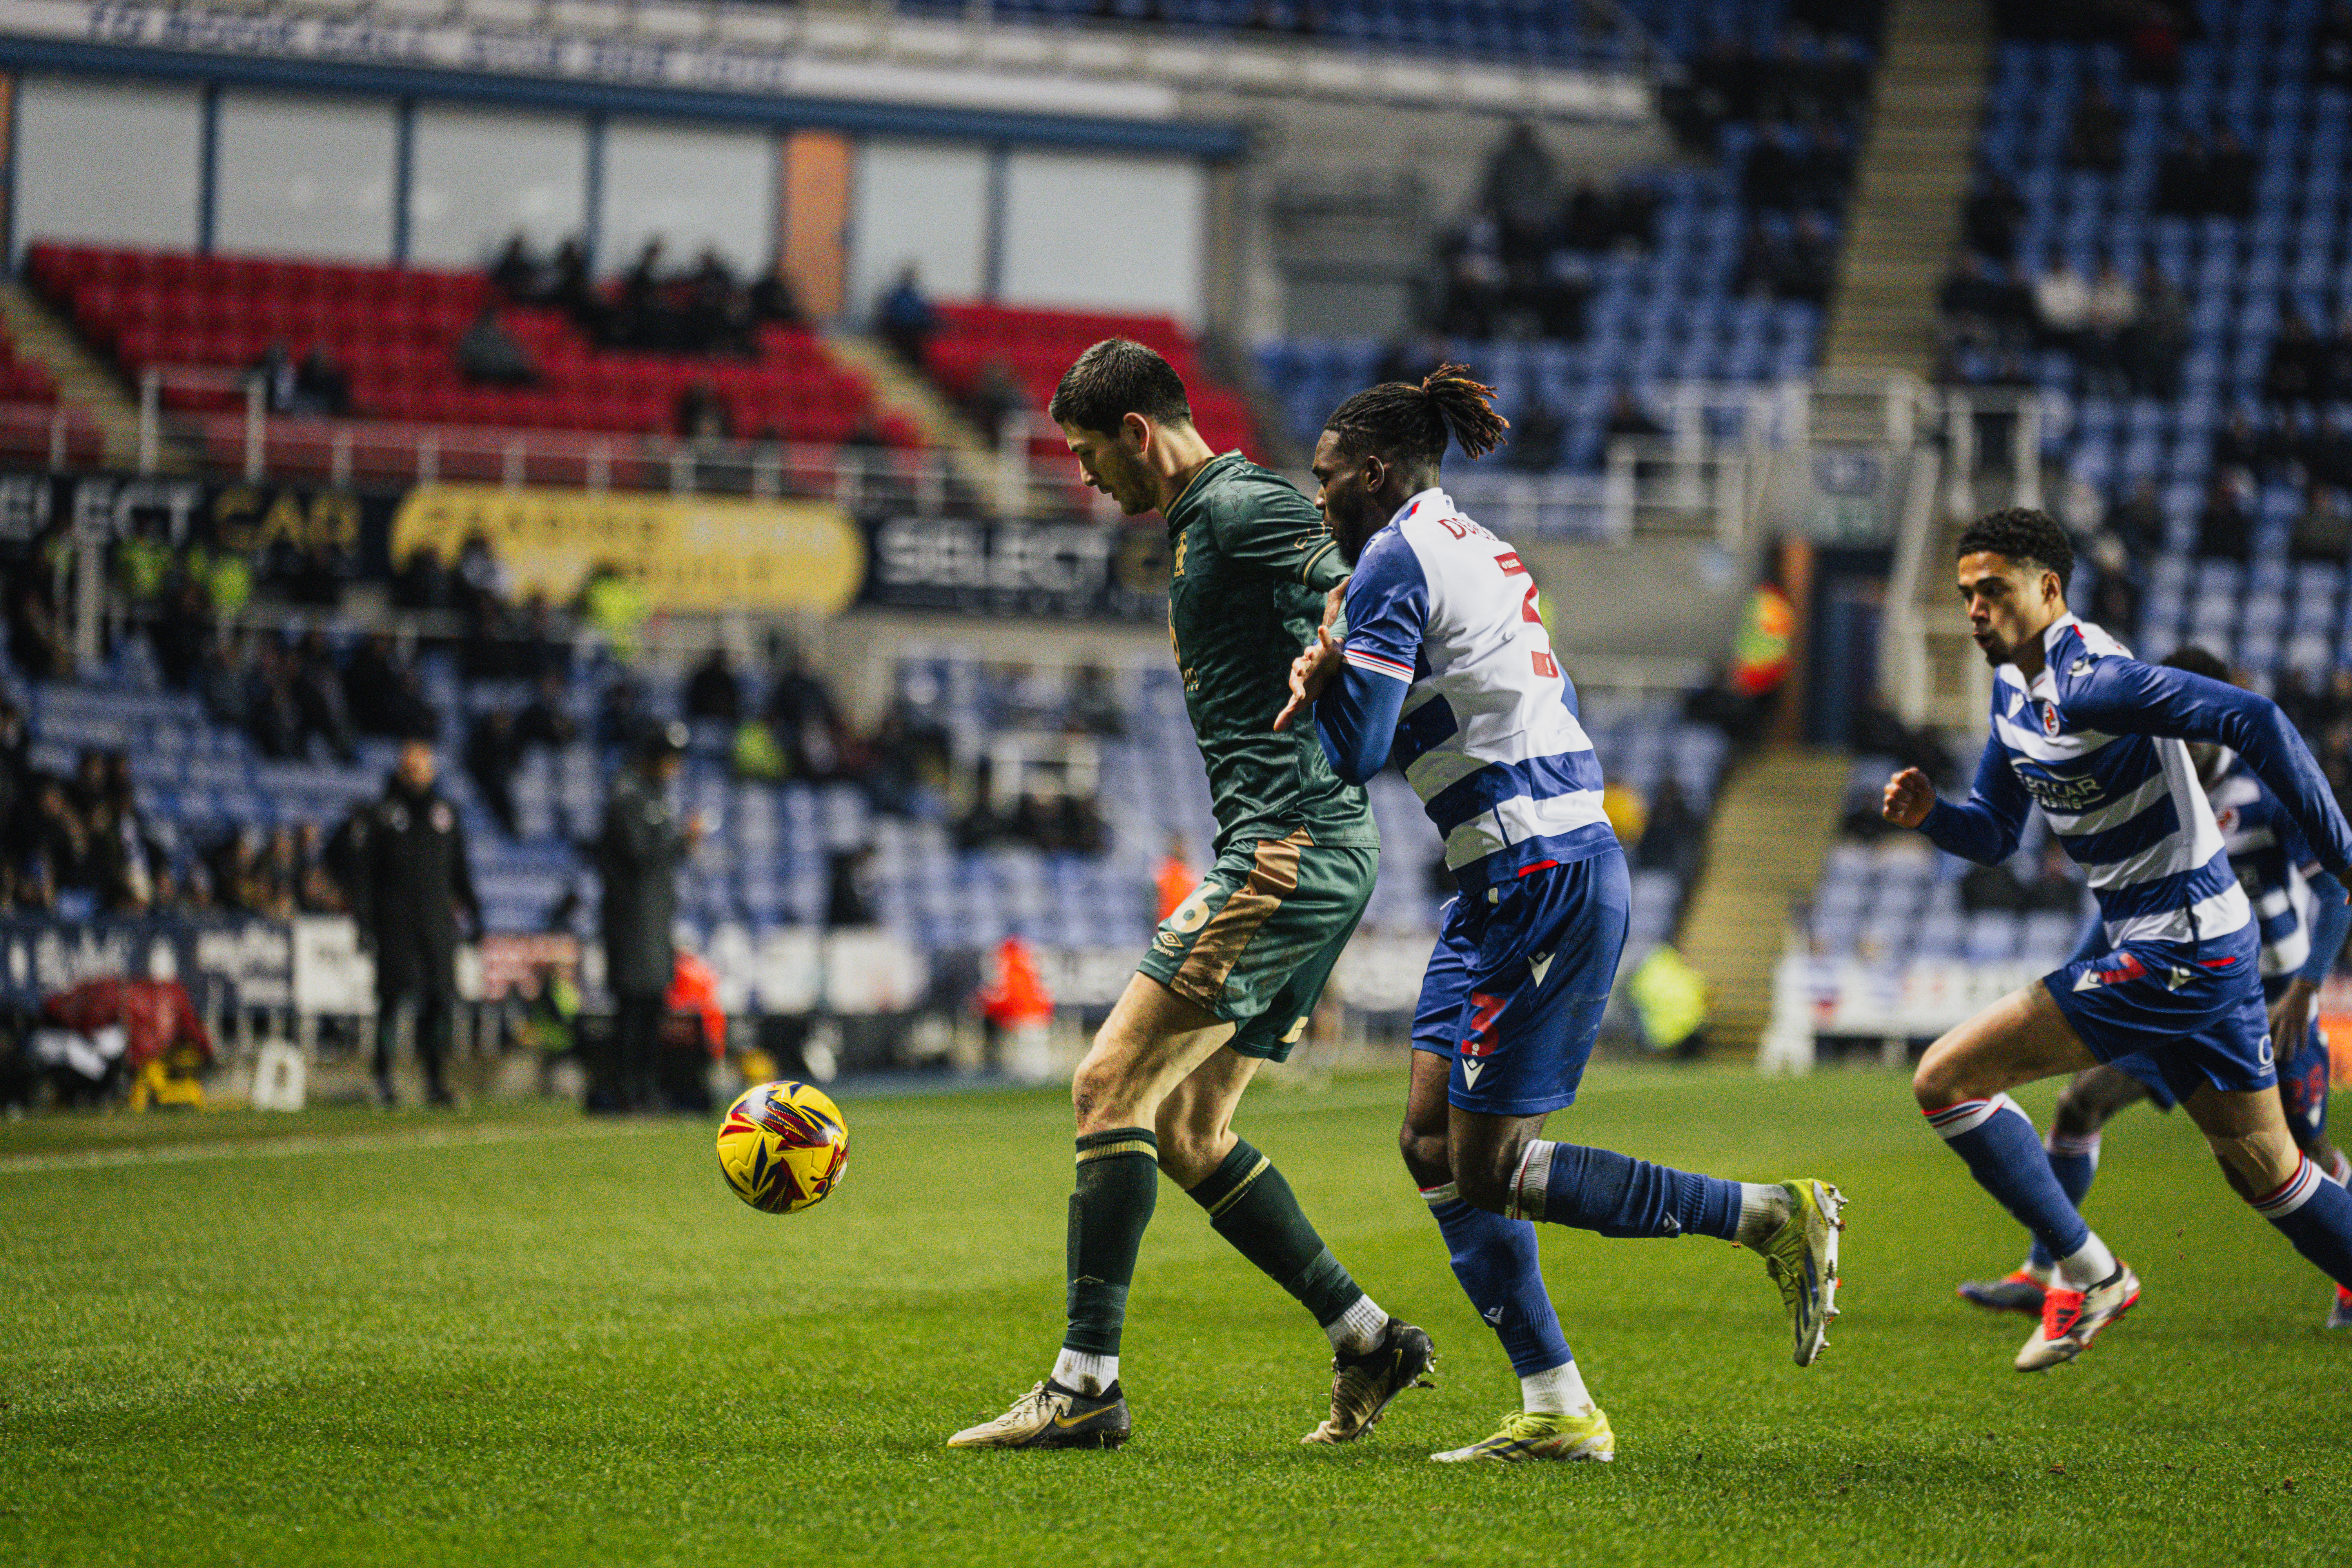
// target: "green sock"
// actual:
[[1250, 1205], [1118, 1181]]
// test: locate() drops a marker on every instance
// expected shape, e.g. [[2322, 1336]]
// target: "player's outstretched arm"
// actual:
[[2125, 696], [1984, 829]]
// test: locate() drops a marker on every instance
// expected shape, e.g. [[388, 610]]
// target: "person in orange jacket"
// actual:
[[1014, 998], [1175, 880]]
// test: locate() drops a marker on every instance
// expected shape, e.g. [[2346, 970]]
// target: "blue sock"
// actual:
[[1594, 1189], [1997, 1140], [2074, 1160], [2315, 1215], [1494, 1258]]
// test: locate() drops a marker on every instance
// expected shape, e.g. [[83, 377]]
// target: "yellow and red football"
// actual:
[[783, 1146]]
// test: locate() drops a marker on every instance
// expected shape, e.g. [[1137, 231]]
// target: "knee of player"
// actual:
[[2077, 1115], [1486, 1183], [1424, 1155], [1930, 1087]]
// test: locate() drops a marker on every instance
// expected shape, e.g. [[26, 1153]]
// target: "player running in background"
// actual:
[[1445, 662], [2302, 918], [2097, 739], [1233, 975]]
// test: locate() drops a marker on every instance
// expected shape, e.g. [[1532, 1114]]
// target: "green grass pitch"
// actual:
[[510, 1337]]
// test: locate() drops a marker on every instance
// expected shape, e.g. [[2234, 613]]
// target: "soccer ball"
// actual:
[[783, 1146]]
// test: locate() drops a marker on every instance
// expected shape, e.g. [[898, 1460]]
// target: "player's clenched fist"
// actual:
[[1909, 798]]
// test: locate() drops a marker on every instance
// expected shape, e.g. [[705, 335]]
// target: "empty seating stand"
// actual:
[[393, 332]]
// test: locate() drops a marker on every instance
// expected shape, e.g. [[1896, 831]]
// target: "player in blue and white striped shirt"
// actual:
[[1446, 667], [2301, 920], [2099, 741]]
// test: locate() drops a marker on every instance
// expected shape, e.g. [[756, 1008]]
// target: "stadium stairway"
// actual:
[[1909, 187], [1772, 829], [898, 390], [82, 380]]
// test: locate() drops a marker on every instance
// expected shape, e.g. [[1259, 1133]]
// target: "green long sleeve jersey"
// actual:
[[1250, 565]]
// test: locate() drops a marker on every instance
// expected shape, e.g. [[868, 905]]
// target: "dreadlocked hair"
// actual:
[[1409, 425]]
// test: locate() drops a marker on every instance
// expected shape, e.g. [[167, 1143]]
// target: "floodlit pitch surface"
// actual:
[[513, 1337]]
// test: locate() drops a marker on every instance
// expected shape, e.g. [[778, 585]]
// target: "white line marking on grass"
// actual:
[[358, 1142]]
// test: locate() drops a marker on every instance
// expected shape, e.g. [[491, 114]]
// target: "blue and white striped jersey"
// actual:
[[2096, 739], [2274, 864], [1487, 734]]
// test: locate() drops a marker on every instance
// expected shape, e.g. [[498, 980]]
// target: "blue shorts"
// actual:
[[1516, 986], [2176, 1015]]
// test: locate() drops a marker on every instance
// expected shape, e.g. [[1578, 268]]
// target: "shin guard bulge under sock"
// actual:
[[1495, 1259], [1997, 1140], [1118, 1181], [1598, 1190], [1250, 1205]]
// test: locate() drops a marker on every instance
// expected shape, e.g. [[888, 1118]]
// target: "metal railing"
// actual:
[[256, 445]]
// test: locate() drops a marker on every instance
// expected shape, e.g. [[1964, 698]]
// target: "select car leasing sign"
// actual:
[[691, 552]]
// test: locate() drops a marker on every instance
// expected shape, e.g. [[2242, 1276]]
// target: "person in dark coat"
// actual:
[[638, 853], [412, 883]]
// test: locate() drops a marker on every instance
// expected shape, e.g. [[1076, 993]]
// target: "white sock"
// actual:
[[2083, 1270], [2034, 1272], [1086, 1373], [1764, 1209], [1559, 1392], [2340, 1172], [1358, 1329]]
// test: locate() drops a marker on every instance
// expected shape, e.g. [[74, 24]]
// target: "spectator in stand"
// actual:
[[321, 387], [2297, 363], [2335, 360], [2062, 303], [316, 889], [318, 697], [515, 274], [2331, 47], [905, 319], [2183, 176], [1770, 181], [2225, 528], [422, 582], [2110, 308], [569, 288], [2323, 532], [1628, 417], [1092, 708], [546, 720], [1538, 441], [1824, 168], [702, 413], [2152, 43], [2137, 521], [2054, 889], [493, 756], [773, 301], [2155, 343], [1993, 217], [490, 355], [851, 898], [36, 642], [2241, 444], [383, 692], [909, 766], [802, 713], [1674, 835], [2094, 138], [1476, 279], [273, 719], [2230, 178], [1520, 189], [183, 632], [996, 395], [713, 691]]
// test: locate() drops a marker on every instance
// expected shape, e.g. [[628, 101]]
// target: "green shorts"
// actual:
[[1257, 939]]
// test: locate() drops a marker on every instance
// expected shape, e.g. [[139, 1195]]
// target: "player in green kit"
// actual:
[[1232, 976]]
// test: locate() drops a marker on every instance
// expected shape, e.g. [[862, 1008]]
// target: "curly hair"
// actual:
[[2025, 535], [1410, 425]]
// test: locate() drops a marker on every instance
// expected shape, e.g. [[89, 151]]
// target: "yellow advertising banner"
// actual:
[[691, 552]]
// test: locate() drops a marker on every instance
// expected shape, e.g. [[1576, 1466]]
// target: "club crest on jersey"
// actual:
[[2226, 819], [2050, 719]]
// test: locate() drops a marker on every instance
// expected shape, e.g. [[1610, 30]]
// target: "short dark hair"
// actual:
[[2198, 661], [1410, 425], [2026, 535], [1115, 378]]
